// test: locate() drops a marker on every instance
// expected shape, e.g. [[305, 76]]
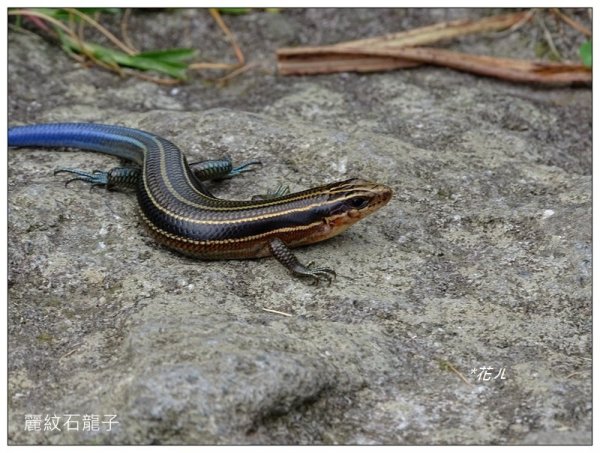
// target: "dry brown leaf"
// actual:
[[438, 32], [395, 51]]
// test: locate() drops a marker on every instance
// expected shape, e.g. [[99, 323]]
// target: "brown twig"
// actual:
[[236, 72], [458, 373], [526, 18], [572, 22], [276, 311], [125, 30], [79, 35], [441, 31], [71, 352], [217, 17], [514, 70], [59, 24], [200, 66], [548, 38], [331, 62], [575, 373], [78, 38], [117, 42]]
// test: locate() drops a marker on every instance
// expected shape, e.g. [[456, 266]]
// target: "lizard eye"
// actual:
[[358, 202]]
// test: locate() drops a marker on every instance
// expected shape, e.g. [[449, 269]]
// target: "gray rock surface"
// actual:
[[481, 259]]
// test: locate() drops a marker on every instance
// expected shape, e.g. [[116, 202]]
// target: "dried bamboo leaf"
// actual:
[[512, 69], [396, 51], [441, 31]]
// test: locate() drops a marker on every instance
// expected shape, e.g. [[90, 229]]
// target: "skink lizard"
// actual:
[[183, 215]]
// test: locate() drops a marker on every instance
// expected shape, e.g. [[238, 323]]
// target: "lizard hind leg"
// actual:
[[112, 179]]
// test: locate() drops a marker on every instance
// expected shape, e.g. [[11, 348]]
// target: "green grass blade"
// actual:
[[586, 53], [170, 55], [173, 68], [234, 11]]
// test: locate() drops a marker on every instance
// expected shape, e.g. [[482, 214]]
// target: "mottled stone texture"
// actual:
[[481, 259]]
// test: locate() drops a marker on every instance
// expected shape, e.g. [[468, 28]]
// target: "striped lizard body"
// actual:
[[183, 215]]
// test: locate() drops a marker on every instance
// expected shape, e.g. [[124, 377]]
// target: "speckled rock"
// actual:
[[482, 258]]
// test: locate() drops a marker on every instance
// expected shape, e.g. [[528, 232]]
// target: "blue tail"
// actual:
[[115, 140]]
